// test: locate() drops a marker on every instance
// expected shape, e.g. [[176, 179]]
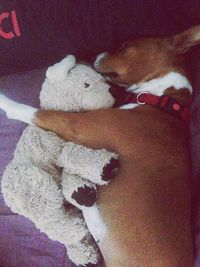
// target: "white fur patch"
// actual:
[[98, 59], [157, 86], [17, 111], [129, 106], [94, 222]]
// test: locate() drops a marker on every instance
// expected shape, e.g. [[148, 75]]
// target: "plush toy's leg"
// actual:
[[83, 168], [33, 193], [83, 201], [97, 166]]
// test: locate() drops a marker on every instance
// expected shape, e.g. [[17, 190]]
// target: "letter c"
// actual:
[[6, 35]]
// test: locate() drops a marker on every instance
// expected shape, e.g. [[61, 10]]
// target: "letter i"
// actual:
[[15, 23]]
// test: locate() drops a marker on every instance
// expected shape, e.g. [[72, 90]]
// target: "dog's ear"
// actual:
[[182, 42]]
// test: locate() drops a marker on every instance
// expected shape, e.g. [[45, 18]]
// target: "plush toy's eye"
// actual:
[[86, 85]]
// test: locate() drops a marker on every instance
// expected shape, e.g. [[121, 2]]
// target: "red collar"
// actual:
[[162, 102]]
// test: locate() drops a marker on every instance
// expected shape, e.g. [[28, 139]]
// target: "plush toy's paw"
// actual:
[[98, 166], [110, 170], [85, 196], [78, 191], [84, 253]]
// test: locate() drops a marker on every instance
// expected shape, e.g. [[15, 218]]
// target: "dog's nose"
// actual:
[[114, 90], [119, 94]]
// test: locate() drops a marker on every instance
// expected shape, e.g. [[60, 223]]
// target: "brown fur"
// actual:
[[147, 206]]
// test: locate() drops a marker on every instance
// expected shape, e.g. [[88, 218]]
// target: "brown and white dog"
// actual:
[[145, 211]]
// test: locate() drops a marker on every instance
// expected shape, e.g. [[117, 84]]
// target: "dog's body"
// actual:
[[146, 208], [151, 195], [144, 213]]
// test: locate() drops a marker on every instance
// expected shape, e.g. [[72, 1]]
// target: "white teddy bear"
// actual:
[[46, 170]]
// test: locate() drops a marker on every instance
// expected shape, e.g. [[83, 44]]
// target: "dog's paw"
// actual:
[[4, 102], [17, 111]]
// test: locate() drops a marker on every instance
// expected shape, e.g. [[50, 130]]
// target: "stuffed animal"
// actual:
[[47, 172]]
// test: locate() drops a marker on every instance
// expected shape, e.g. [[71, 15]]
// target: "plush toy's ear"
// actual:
[[59, 71]]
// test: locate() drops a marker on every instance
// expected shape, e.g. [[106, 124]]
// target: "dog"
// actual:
[[145, 211]]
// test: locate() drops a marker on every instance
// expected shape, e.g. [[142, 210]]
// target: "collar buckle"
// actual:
[[139, 95]]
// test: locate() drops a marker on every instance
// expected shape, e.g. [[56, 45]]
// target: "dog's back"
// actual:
[[146, 207]]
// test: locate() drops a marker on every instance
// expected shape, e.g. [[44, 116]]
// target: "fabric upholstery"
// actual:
[[49, 31]]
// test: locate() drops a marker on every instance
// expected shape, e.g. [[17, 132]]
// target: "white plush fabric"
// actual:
[[85, 162], [73, 92], [46, 170]]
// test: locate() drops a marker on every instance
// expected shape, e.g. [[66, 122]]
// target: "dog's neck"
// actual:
[[157, 86], [171, 84]]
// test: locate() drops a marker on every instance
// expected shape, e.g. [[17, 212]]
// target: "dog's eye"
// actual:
[[86, 85]]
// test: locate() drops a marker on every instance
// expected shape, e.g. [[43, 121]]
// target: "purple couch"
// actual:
[[21, 244]]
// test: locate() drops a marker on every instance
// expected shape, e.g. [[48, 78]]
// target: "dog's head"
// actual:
[[143, 59]]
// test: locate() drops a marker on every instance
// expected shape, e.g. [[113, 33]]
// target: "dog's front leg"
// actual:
[[16, 110], [105, 128], [96, 129]]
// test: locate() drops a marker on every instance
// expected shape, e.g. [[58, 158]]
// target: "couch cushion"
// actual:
[[50, 30], [21, 244]]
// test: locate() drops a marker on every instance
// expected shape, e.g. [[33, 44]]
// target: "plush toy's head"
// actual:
[[74, 87]]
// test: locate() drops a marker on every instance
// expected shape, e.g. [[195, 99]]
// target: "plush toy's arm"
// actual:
[[95, 165], [84, 169]]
